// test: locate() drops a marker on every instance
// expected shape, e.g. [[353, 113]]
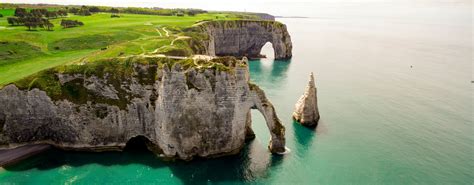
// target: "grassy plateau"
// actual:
[[23, 52]]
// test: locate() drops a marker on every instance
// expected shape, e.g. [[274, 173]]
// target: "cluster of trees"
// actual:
[[21, 12], [84, 10], [193, 12], [31, 22], [71, 23], [39, 18], [35, 18], [157, 11]]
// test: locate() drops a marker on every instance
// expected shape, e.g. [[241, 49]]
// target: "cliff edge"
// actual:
[[181, 108], [241, 38]]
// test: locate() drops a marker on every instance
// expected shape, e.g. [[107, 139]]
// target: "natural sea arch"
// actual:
[[244, 38], [267, 51]]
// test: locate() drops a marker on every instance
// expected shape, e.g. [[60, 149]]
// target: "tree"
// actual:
[[32, 22], [49, 25], [94, 9], [13, 21], [70, 23], [39, 12], [1, 15], [83, 12], [62, 13], [51, 15], [30, 25], [73, 10], [114, 10], [20, 12]]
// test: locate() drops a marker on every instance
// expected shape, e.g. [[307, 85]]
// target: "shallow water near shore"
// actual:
[[395, 98]]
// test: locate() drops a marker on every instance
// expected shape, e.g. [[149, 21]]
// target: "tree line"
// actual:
[[40, 18], [35, 18], [85, 10]]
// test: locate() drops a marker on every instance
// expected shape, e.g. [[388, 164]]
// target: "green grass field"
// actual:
[[23, 52]]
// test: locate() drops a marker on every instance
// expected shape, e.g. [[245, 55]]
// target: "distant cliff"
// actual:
[[182, 108], [264, 16], [244, 38]]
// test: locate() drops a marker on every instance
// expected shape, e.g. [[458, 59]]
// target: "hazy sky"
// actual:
[[275, 7]]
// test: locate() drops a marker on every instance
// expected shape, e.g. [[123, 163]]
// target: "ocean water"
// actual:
[[395, 98]]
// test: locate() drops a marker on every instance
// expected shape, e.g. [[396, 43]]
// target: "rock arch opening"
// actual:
[[267, 51], [274, 125], [138, 144], [241, 38]]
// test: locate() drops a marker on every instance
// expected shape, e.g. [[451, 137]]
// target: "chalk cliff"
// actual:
[[245, 38], [306, 109], [182, 108]]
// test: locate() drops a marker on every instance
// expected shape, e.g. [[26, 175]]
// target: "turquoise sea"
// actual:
[[396, 102]]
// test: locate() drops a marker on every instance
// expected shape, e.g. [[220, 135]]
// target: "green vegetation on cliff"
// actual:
[[116, 71], [23, 52]]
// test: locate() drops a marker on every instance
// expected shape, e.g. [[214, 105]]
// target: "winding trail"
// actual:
[[194, 57], [166, 31], [157, 30], [179, 38]]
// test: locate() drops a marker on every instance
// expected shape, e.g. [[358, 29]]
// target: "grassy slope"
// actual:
[[26, 52]]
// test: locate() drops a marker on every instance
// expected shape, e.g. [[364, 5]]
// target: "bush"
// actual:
[[1, 15], [62, 13], [14, 21], [84, 12], [70, 23], [20, 12], [114, 16], [94, 9], [73, 10]]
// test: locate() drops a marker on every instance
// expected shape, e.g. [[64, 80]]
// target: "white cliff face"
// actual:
[[182, 112], [246, 38], [306, 109]]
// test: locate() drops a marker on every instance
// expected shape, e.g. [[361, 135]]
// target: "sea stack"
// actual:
[[306, 109]]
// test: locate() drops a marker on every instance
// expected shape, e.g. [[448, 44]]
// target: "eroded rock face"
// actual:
[[306, 109], [246, 38], [183, 113]]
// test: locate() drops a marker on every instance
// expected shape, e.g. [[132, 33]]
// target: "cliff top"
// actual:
[[117, 71], [239, 23], [136, 31]]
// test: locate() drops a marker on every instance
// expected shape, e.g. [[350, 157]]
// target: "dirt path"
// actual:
[[159, 32], [179, 38], [167, 33]]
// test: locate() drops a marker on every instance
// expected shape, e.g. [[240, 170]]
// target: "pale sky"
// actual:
[[274, 7]]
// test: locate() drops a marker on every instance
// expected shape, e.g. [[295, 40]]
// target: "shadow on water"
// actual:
[[55, 158], [304, 135], [280, 68], [269, 71], [252, 162]]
